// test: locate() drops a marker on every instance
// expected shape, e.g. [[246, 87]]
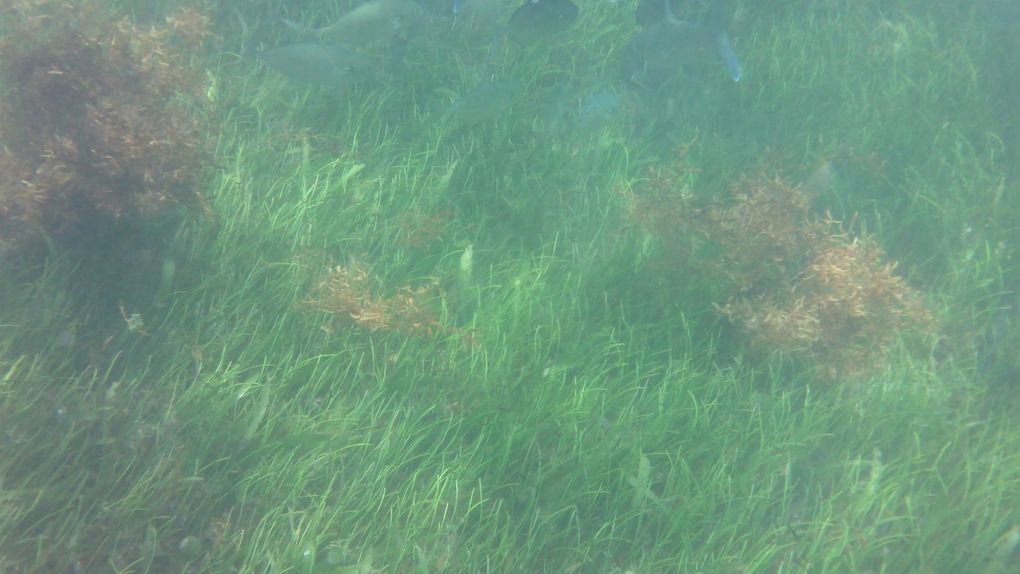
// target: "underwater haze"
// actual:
[[509, 286]]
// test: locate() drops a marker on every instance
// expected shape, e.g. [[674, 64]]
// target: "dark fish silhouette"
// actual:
[[536, 19]]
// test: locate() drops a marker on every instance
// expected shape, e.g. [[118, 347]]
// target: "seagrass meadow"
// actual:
[[486, 304]]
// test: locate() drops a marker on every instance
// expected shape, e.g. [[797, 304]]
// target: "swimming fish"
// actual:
[[536, 19], [324, 64], [660, 52], [373, 22]]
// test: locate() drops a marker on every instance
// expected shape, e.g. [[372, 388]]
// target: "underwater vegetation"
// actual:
[[658, 55], [431, 334], [98, 122], [795, 282], [537, 19], [346, 293], [485, 101]]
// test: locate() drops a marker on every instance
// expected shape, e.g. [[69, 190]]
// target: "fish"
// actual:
[[486, 102], [537, 19], [667, 44], [323, 64], [373, 22]]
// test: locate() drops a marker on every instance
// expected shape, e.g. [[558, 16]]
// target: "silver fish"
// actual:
[[373, 22], [324, 64]]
